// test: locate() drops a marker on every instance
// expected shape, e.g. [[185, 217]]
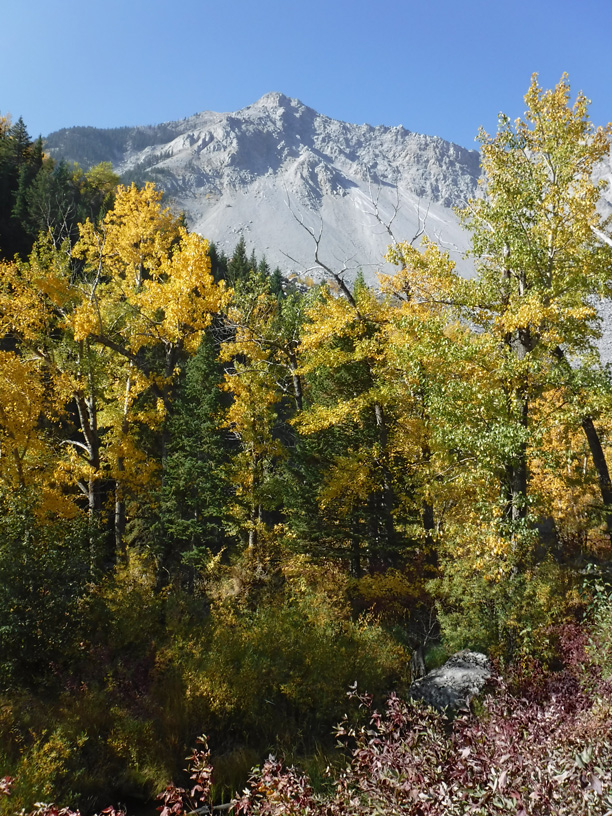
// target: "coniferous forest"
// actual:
[[228, 500]]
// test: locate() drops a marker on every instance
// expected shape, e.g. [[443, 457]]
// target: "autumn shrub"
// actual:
[[599, 591], [95, 733], [175, 800], [544, 749], [127, 608], [46, 572], [261, 660], [489, 605], [276, 672], [84, 748], [43, 773], [398, 597], [540, 746]]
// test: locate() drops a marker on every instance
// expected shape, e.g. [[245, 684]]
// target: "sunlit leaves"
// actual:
[[112, 327], [261, 375], [178, 301], [532, 229]]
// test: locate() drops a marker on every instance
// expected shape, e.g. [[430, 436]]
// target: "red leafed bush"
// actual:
[[42, 809], [275, 791], [542, 745], [176, 801]]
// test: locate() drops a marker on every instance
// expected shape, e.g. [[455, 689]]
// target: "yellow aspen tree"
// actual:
[[147, 297], [422, 336], [26, 455], [251, 419], [540, 262], [261, 375], [33, 395], [111, 323], [342, 353]]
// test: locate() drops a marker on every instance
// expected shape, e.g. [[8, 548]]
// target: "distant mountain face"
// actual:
[[277, 167]]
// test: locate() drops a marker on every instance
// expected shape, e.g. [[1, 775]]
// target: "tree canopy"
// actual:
[[218, 487]]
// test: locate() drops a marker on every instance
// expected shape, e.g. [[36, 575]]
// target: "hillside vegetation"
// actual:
[[226, 500]]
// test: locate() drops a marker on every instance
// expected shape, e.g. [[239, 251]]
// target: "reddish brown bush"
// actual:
[[541, 746]]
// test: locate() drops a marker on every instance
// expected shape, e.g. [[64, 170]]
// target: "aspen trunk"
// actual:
[[601, 468], [120, 514], [597, 454]]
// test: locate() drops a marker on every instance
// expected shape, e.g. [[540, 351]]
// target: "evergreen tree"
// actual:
[[276, 283], [263, 267], [239, 265], [218, 263], [20, 160], [61, 196], [195, 492]]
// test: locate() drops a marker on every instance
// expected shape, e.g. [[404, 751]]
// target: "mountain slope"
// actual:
[[261, 171]]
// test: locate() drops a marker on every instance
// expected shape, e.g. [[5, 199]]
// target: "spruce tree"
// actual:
[[195, 492], [239, 265]]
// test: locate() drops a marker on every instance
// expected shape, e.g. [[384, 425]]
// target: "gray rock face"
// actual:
[[267, 171], [454, 684], [258, 172]]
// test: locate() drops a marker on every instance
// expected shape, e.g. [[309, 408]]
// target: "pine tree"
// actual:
[[195, 494], [239, 265], [20, 160]]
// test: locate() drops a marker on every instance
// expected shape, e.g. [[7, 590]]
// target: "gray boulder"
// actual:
[[454, 684]]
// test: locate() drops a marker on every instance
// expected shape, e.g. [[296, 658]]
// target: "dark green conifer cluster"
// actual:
[[38, 194]]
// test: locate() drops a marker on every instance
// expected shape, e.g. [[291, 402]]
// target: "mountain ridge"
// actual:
[[260, 171], [294, 183]]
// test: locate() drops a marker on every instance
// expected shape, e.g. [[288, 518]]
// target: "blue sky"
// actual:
[[439, 67]]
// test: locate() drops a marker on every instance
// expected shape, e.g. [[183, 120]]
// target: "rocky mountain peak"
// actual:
[[275, 101], [260, 171]]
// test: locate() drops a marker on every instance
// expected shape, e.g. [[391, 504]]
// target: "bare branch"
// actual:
[[337, 276], [76, 444], [602, 236], [386, 224]]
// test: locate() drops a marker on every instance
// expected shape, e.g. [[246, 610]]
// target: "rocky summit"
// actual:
[[278, 173], [294, 184]]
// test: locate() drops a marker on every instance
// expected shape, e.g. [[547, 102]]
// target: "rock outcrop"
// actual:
[[455, 683]]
